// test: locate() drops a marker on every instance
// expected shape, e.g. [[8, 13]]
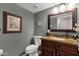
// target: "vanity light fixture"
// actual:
[[63, 8], [55, 10], [71, 6]]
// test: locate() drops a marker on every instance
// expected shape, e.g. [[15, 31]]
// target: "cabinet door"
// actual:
[[48, 51]]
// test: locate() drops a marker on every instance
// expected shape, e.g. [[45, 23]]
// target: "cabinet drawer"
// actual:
[[68, 48]]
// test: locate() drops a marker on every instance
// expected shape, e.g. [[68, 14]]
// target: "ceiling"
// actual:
[[36, 7]]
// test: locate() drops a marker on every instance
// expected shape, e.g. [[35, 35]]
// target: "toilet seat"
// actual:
[[31, 47]]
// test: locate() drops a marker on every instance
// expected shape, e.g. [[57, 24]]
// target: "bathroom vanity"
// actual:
[[60, 46], [54, 46]]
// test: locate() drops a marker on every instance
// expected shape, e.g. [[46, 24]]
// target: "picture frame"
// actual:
[[11, 23]]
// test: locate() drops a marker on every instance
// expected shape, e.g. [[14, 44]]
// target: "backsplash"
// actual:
[[64, 35]]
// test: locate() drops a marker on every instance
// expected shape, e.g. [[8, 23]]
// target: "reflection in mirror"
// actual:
[[63, 21]]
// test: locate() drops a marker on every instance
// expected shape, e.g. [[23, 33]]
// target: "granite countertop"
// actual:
[[63, 40]]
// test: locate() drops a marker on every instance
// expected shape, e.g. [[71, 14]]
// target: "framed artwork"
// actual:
[[11, 23]]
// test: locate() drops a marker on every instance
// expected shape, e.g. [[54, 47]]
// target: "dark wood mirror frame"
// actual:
[[74, 20]]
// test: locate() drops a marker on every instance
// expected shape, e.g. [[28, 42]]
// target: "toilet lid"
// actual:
[[31, 47]]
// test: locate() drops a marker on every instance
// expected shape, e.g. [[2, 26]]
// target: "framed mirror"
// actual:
[[63, 22]]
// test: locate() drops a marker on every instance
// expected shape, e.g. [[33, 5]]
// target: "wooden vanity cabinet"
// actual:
[[67, 50], [47, 48], [53, 48]]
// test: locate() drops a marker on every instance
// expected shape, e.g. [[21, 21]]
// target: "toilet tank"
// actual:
[[37, 40]]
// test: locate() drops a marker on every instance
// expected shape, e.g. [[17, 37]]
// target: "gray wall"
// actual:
[[43, 17], [15, 43]]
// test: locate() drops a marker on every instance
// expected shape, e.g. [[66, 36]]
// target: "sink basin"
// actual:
[[58, 38]]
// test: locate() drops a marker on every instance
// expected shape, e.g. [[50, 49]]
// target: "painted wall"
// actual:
[[43, 17], [15, 43]]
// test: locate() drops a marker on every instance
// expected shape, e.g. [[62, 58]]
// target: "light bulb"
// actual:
[[63, 8], [55, 10], [71, 6]]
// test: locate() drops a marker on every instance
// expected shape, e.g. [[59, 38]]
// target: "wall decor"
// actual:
[[11, 23]]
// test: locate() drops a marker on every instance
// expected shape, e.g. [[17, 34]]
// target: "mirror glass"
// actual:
[[63, 21]]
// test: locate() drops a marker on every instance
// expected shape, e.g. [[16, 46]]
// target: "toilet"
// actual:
[[32, 49], [1, 52]]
